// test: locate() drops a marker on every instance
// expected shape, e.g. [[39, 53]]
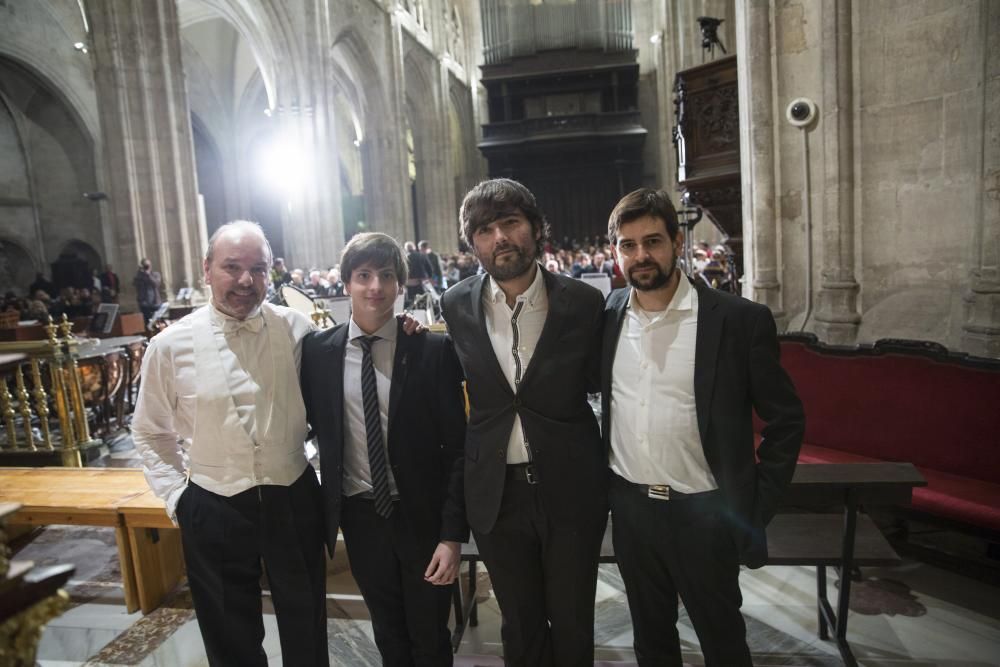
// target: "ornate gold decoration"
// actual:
[[25, 405], [7, 409], [41, 404], [19, 634]]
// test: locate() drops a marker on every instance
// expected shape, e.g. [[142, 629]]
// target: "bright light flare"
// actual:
[[283, 166]]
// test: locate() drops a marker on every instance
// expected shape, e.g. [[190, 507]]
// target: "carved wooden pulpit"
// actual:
[[707, 140]]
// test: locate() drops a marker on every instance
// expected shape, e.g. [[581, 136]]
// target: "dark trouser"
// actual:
[[225, 540], [409, 616], [544, 575], [148, 312], [412, 292], [682, 546]]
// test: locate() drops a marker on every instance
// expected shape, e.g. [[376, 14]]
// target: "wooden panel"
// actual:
[[816, 539], [127, 569], [76, 491], [159, 563]]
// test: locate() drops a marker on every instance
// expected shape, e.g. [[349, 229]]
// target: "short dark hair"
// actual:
[[375, 248], [494, 199], [640, 203]]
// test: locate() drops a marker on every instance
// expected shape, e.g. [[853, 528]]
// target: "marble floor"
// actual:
[[912, 614]]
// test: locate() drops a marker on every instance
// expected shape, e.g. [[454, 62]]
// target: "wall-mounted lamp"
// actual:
[[80, 46]]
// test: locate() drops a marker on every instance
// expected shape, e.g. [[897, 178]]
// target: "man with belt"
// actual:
[[220, 426], [683, 368], [391, 455], [535, 474]]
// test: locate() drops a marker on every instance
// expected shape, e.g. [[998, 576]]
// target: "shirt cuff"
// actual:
[[171, 501]]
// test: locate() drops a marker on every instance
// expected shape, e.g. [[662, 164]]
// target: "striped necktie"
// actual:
[[373, 429]]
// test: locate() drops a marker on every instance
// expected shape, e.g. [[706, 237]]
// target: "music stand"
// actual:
[[599, 280]]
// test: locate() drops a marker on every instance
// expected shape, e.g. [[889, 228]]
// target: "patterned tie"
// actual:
[[373, 429]]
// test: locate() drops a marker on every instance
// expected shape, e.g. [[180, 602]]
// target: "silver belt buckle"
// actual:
[[529, 474], [658, 492]]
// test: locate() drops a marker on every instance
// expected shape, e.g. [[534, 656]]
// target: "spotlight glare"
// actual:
[[284, 167]]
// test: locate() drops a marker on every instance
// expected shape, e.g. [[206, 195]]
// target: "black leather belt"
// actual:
[[665, 492], [522, 472]]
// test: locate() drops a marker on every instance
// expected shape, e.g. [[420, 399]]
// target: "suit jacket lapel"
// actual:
[[335, 383], [706, 353], [614, 317], [482, 333], [399, 370]]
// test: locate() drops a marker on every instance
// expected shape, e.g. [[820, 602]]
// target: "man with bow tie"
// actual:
[[220, 424]]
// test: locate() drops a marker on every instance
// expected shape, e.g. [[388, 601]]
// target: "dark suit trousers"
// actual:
[[225, 540], [388, 561], [682, 546], [544, 575]]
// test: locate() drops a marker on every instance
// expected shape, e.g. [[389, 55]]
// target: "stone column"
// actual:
[[981, 330], [837, 319], [441, 223], [757, 118], [312, 219], [387, 182], [148, 150]]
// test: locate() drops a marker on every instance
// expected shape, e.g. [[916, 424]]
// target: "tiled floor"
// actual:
[[912, 614]]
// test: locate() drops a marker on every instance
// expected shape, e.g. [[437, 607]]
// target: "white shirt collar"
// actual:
[[535, 290], [683, 298], [386, 332]]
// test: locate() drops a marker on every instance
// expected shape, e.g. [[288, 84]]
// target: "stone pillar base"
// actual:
[[836, 320], [981, 331], [768, 292]]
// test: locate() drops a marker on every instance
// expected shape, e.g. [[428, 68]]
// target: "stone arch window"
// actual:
[[17, 268], [82, 251]]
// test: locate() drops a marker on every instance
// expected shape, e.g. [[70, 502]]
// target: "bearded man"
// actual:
[[684, 366], [529, 342]]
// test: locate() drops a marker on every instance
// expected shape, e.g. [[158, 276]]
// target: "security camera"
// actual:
[[801, 112]]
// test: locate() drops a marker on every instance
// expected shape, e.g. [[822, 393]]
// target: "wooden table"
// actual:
[[850, 485], [149, 546]]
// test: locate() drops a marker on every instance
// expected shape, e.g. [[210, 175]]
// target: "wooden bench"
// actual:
[[149, 545], [843, 539]]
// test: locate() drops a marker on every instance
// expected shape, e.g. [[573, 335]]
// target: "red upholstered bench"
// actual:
[[906, 401]]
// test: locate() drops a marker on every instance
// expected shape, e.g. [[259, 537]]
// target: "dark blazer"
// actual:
[[426, 429], [736, 371], [551, 401]]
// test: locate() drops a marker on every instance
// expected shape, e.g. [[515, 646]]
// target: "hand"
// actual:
[[410, 325], [444, 564]]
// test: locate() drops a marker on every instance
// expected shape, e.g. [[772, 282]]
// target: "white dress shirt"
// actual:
[[220, 402], [654, 422], [515, 333], [357, 474]]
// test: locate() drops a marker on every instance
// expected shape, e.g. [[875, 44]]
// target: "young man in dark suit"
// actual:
[[683, 368], [536, 473], [388, 412]]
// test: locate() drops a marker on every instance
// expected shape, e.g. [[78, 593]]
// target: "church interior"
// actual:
[[837, 161]]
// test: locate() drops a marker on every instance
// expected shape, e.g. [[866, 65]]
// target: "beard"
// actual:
[[656, 280], [515, 265]]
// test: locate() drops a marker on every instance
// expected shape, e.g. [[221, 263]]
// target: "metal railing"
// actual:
[[47, 380]]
